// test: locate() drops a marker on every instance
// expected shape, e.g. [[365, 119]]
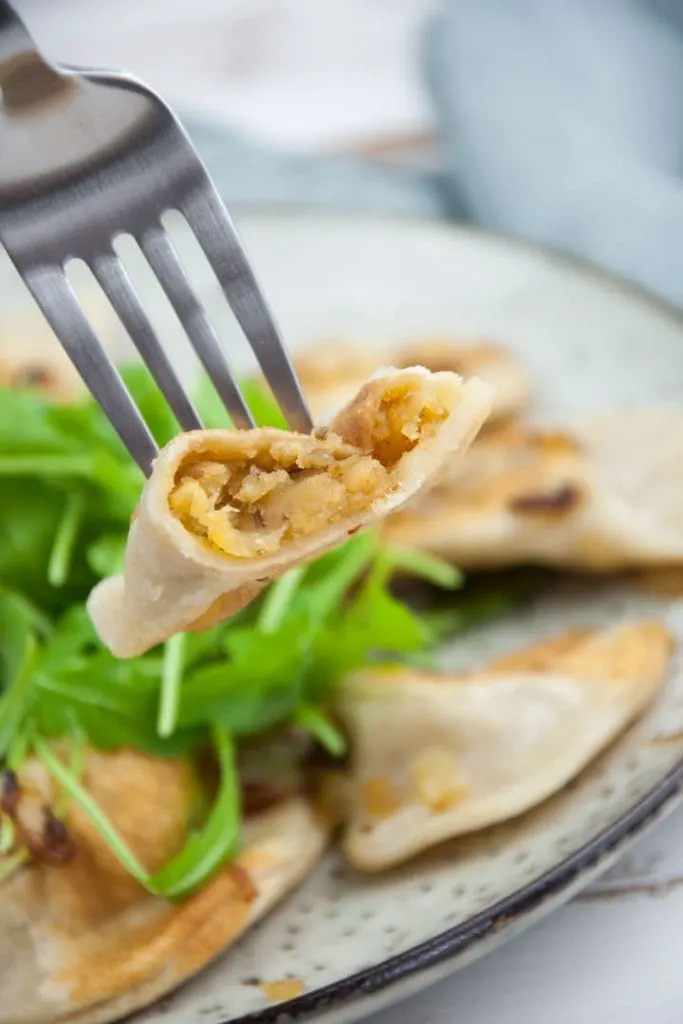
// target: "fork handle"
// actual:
[[25, 76], [16, 44]]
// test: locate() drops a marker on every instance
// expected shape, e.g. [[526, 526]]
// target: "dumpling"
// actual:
[[31, 356], [225, 511], [83, 941], [434, 757], [483, 359], [605, 497], [331, 373]]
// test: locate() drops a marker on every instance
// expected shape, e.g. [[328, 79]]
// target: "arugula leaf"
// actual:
[[278, 599], [332, 576], [72, 638], [39, 622], [376, 626], [30, 515], [259, 398], [27, 424], [155, 410], [105, 555], [257, 687], [264, 408], [305, 637]]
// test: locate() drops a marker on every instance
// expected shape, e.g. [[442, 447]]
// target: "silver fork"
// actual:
[[87, 156]]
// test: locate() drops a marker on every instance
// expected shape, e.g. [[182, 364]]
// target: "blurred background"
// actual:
[[560, 121], [305, 75]]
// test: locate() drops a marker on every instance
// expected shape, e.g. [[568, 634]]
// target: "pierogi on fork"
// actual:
[[226, 511]]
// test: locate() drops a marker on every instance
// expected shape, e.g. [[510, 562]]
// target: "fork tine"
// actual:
[[61, 308], [118, 288], [223, 248], [165, 263]]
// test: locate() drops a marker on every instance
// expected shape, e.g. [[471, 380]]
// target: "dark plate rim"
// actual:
[[451, 941], [662, 797]]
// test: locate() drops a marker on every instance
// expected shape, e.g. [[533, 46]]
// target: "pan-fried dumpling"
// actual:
[[31, 356], [604, 498], [84, 942], [225, 511], [486, 360], [332, 373], [434, 757]]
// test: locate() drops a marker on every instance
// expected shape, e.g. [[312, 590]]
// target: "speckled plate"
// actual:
[[358, 943]]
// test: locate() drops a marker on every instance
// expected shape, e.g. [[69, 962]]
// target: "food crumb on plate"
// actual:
[[285, 988]]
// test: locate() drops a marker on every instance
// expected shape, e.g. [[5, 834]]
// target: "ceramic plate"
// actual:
[[353, 943]]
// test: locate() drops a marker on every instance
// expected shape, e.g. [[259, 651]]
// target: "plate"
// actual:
[[354, 944]]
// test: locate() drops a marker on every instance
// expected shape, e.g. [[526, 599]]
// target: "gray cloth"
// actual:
[[561, 120], [248, 174]]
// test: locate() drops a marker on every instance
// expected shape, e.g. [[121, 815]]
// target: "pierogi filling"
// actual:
[[248, 495]]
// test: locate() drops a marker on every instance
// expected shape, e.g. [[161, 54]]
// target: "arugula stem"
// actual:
[[359, 553], [17, 751], [76, 766], [203, 853], [6, 835], [10, 863], [278, 599], [171, 678], [13, 704], [77, 694], [312, 718], [420, 563], [46, 465], [207, 850], [65, 540], [34, 616], [91, 808]]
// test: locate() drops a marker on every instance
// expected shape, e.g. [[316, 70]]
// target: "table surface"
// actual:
[[279, 70], [611, 956]]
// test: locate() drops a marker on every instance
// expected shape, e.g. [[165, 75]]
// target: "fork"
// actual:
[[87, 156]]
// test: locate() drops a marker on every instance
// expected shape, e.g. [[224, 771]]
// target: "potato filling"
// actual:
[[389, 419], [247, 501]]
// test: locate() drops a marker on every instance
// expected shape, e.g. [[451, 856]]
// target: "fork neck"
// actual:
[[24, 75]]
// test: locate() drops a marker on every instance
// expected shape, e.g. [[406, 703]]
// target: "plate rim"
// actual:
[[243, 211], [656, 804]]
